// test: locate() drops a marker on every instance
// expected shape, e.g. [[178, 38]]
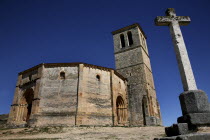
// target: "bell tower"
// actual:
[[133, 62]]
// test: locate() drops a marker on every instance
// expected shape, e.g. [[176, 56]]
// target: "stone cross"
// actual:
[[174, 23]]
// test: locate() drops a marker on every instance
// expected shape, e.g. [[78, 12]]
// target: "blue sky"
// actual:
[[53, 31]]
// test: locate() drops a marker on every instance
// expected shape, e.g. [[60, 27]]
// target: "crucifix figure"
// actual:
[[174, 23]]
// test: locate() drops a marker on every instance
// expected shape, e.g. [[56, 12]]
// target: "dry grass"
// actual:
[[87, 133]]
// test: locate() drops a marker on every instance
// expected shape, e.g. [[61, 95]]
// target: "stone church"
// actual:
[[80, 94]]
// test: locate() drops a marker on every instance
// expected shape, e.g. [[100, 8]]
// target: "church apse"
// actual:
[[69, 94]]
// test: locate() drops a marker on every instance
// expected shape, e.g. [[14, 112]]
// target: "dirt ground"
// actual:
[[87, 133]]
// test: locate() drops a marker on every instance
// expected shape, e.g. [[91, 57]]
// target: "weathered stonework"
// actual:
[[174, 22], [133, 62], [86, 96]]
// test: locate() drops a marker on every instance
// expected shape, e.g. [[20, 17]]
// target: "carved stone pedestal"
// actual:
[[194, 101], [195, 110]]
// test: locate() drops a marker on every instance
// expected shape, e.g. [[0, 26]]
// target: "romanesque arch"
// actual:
[[26, 104], [121, 110]]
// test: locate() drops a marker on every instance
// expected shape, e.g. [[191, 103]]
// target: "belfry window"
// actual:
[[122, 40], [30, 77], [130, 38], [62, 75]]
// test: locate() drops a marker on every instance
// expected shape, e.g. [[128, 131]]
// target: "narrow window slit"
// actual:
[[130, 38], [98, 77], [62, 75], [122, 39]]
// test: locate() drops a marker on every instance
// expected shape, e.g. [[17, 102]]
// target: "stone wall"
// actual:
[[69, 94], [119, 88], [58, 96], [27, 80], [94, 99], [136, 90]]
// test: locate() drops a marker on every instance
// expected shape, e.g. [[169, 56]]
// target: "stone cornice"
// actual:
[[51, 65]]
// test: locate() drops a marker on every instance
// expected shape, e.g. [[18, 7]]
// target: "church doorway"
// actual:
[[121, 110], [144, 108], [26, 104]]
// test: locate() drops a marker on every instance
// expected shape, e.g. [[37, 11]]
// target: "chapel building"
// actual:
[[80, 94]]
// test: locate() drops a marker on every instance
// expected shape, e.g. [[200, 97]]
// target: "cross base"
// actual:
[[195, 119], [196, 113], [194, 101], [198, 136]]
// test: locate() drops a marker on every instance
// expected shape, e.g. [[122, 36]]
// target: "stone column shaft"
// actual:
[[174, 22], [185, 69]]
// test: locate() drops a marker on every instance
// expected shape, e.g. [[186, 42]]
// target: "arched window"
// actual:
[[130, 39], [122, 40], [98, 77], [62, 75]]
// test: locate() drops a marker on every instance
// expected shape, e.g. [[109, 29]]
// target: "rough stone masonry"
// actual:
[[194, 103], [133, 62], [57, 94]]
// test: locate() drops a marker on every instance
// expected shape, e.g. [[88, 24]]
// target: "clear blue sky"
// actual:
[[53, 31]]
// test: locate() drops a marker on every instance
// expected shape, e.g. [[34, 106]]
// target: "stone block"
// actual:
[[194, 101], [195, 119], [177, 129], [150, 121], [198, 136], [200, 119], [182, 119], [153, 121], [195, 136], [182, 128], [166, 138]]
